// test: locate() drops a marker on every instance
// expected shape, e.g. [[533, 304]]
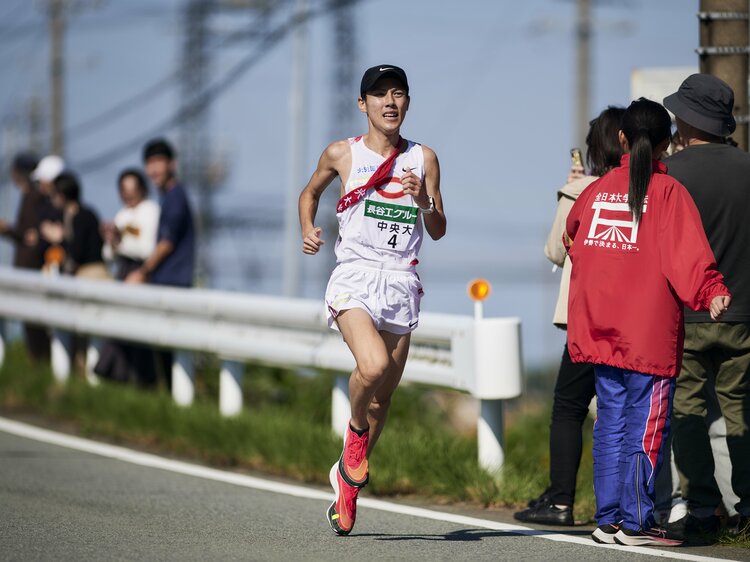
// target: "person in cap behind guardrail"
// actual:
[[45, 174], [390, 191], [24, 236]]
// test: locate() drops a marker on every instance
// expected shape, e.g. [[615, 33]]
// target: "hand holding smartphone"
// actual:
[[576, 167]]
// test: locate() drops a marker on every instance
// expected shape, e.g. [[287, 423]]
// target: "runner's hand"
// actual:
[[719, 305], [312, 241], [413, 186]]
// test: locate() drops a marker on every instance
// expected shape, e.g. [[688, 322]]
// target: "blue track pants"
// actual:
[[632, 425]]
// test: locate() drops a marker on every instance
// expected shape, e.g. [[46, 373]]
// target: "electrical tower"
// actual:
[[344, 111], [198, 164], [344, 83]]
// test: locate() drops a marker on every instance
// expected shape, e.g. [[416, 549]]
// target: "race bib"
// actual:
[[388, 226]]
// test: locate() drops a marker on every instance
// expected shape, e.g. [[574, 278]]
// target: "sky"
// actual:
[[492, 92]]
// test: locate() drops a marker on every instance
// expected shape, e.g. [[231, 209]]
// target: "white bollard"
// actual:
[[183, 384], [92, 358], [490, 437], [61, 355], [230, 388], [341, 408]]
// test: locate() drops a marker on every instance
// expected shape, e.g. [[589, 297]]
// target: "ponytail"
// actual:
[[645, 124], [641, 152]]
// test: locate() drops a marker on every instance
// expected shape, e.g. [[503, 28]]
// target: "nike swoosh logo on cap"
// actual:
[[386, 68]]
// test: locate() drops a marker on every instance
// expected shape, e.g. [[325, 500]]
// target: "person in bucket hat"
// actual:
[[717, 354]]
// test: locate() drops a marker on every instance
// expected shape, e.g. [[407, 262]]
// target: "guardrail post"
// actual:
[[61, 354], [341, 410], [490, 436], [2, 342], [230, 388], [497, 371], [183, 378], [92, 358]]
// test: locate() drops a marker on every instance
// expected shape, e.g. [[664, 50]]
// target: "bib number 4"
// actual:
[[388, 226]]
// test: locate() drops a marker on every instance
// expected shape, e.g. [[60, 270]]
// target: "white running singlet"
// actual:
[[385, 226], [378, 243]]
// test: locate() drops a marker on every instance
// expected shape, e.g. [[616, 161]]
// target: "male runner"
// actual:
[[373, 295]]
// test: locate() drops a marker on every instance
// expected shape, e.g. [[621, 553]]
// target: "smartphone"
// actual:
[[576, 156]]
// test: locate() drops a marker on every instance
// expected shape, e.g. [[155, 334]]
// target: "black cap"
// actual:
[[158, 147], [372, 75], [705, 102]]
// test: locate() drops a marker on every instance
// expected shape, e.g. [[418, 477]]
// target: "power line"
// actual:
[[129, 104], [207, 96]]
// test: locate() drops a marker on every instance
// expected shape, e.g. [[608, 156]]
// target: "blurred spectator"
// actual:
[[81, 243], [45, 174], [172, 261], [23, 234], [131, 237], [78, 233]]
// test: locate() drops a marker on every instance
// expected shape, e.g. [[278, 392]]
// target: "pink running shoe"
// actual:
[[343, 511], [353, 462]]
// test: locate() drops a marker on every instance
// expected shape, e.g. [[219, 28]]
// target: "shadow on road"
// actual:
[[465, 535]]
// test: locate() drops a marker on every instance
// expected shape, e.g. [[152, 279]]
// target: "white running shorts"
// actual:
[[391, 297]]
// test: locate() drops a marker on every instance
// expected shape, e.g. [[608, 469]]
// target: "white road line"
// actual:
[[154, 461]]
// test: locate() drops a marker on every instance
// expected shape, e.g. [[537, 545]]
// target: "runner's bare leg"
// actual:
[[398, 349], [372, 357]]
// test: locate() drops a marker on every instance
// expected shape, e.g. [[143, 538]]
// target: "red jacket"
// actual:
[[629, 281]]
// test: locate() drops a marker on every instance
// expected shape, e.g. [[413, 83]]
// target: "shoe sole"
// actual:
[[625, 540], [603, 538], [335, 485]]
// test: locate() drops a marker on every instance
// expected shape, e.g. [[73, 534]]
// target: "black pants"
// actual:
[[574, 390], [37, 342]]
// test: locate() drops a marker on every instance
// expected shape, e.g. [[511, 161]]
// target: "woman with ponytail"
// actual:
[[639, 253]]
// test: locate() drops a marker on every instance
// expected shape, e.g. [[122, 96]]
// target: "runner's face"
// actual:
[[386, 104]]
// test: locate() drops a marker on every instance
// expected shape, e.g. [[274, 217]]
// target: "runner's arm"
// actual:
[[435, 223], [329, 167]]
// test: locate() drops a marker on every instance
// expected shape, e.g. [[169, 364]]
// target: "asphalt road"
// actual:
[[59, 503]]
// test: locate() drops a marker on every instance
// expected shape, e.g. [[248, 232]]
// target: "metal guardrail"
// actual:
[[478, 356]]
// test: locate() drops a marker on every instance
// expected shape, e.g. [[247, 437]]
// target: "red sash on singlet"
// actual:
[[381, 176]]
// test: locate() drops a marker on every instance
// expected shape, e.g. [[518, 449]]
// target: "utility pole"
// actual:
[[723, 52], [582, 71], [36, 124], [57, 75]]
